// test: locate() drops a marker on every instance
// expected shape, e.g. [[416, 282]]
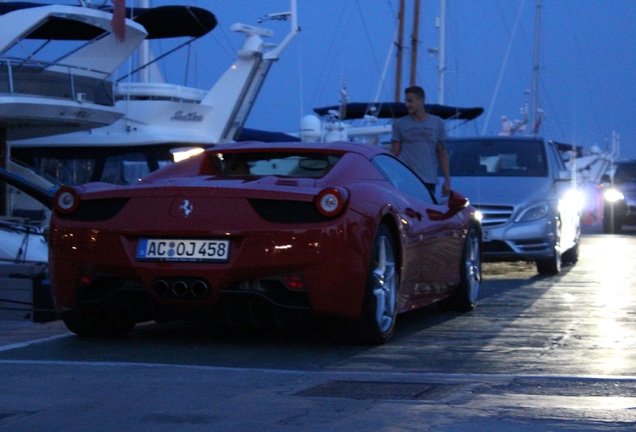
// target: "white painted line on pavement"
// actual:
[[17, 345], [416, 376]]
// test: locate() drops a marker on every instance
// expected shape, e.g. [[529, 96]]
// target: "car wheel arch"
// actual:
[[551, 266], [391, 222], [379, 309]]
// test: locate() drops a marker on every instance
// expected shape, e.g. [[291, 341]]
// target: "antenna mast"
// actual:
[[441, 66], [399, 43], [535, 70], [415, 42]]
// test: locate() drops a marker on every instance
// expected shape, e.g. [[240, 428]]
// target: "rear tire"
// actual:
[[612, 220], [379, 311], [465, 297]]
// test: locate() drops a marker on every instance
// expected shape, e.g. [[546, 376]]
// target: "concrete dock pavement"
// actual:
[[538, 354]]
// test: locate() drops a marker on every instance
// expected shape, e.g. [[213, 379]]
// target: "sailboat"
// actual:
[[334, 123], [587, 169], [369, 121]]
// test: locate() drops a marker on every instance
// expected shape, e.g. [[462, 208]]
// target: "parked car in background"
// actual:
[[530, 211], [620, 198], [256, 232]]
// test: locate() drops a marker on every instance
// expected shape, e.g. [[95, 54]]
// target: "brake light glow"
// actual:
[[66, 200], [294, 282], [331, 202]]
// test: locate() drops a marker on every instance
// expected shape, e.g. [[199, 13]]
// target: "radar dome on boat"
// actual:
[[310, 128]]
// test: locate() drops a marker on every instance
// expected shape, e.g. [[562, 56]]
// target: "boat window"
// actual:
[[84, 165], [125, 169], [67, 171], [507, 158], [275, 164]]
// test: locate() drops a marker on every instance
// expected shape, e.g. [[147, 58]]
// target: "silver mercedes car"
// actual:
[[529, 206]]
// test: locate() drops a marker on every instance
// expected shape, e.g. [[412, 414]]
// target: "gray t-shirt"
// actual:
[[419, 143]]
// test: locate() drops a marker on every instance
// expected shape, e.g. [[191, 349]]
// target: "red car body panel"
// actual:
[[93, 250]]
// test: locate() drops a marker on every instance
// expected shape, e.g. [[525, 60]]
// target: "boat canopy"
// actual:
[[173, 21], [55, 27], [357, 110], [246, 134], [160, 22]]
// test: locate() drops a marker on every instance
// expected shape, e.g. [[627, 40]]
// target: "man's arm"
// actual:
[[396, 147], [442, 157]]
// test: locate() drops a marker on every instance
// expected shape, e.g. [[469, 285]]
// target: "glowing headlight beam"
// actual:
[[612, 195]]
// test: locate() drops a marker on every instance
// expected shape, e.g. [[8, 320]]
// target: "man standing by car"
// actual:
[[418, 141]]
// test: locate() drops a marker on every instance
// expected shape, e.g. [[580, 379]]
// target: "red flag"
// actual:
[[118, 22]]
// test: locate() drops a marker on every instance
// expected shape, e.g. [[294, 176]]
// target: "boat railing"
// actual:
[[37, 78]]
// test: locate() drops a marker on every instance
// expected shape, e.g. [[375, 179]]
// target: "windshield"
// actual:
[[486, 157], [625, 172], [288, 164]]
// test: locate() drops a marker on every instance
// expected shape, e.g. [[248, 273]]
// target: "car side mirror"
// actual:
[[456, 202]]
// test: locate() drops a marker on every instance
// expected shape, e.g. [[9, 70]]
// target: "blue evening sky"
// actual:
[[587, 84]]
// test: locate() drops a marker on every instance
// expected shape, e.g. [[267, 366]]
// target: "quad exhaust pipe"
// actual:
[[199, 289], [188, 288]]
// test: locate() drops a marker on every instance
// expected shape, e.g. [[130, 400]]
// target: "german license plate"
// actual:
[[183, 250]]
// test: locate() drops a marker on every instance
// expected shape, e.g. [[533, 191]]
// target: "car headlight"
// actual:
[[534, 212], [612, 195], [572, 199]]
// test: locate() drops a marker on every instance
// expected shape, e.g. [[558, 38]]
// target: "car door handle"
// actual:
[[413, 214]]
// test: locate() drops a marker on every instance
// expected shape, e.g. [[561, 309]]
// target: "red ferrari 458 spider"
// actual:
[[342, 230]]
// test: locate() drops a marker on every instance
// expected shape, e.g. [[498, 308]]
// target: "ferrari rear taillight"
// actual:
[[66, 200], [294, 282], [331, 202]]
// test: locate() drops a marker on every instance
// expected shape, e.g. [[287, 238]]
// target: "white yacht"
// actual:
[[56, 63], [161, 117], [55, 67]]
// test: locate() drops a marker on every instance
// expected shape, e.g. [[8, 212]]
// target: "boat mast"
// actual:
[[441, 65], [4, 158], [399, 43], [415, 42], [143, 53], [535, 70]]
